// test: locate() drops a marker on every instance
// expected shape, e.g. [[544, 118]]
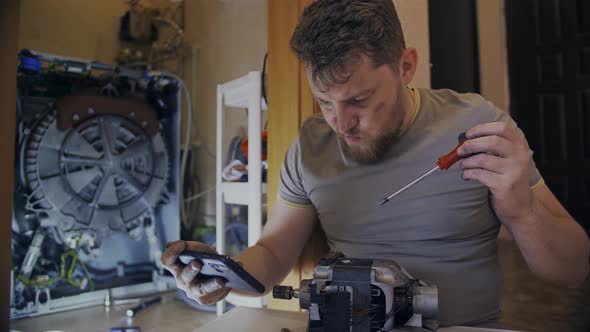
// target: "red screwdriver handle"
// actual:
[[452, 157]]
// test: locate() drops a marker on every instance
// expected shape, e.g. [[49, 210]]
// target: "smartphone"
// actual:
[[215, 265]]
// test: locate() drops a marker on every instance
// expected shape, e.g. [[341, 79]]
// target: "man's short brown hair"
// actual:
[[335, 33]]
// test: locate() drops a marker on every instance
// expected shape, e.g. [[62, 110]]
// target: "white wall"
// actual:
[[493, 63], [232, 39], [414, 17], [83, 29]]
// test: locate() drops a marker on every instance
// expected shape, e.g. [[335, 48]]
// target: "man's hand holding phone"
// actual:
[[206, 291]]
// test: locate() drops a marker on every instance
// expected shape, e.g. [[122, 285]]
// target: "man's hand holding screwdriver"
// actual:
[[497, 155]]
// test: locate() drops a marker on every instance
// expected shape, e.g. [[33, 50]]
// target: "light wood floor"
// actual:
[[531, 304]]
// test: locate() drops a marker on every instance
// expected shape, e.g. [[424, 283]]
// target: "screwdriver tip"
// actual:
[[385, 200]]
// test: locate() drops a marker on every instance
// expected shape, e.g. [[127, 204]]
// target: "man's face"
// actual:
[[368, 111]]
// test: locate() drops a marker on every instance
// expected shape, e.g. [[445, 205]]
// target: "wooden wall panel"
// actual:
[[307, 104], [290, 103], [9, 13], [283, 87], [283, 106], [316, 246]]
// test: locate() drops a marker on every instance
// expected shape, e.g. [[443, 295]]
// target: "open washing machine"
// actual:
[[96, 192]]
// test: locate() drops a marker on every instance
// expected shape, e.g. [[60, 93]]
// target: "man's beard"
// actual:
[[373, 150]]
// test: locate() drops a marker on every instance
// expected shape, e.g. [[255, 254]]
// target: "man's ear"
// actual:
[[408, 64]]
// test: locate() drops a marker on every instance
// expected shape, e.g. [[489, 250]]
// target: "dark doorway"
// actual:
[[549, 71], [453, 45]]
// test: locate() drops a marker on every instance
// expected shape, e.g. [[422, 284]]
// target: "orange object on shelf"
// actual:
[[244, 145]]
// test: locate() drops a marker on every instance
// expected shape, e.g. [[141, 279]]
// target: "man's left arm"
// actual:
[[554, 246]]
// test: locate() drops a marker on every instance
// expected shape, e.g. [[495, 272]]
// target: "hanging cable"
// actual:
[[263, 79], [187, 137], [199, 194]]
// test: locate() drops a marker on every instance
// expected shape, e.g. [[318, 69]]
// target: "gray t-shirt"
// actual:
[[442, 230]]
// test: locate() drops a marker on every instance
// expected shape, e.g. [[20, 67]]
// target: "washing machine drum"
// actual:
[[95, 165]]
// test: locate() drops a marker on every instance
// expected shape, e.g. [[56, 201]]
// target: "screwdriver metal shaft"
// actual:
[[442, 163], [386, 199]]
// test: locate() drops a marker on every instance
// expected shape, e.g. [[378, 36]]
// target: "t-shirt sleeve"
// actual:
[[291, 188], [535, 178]]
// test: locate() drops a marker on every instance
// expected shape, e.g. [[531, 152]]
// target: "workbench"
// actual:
[[264, 320], [172, 314]]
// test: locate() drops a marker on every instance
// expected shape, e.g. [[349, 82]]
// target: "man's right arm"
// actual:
[[280, 245], [269, 260]]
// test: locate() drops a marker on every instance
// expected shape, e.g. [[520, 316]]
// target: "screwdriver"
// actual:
[[442, 163]]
